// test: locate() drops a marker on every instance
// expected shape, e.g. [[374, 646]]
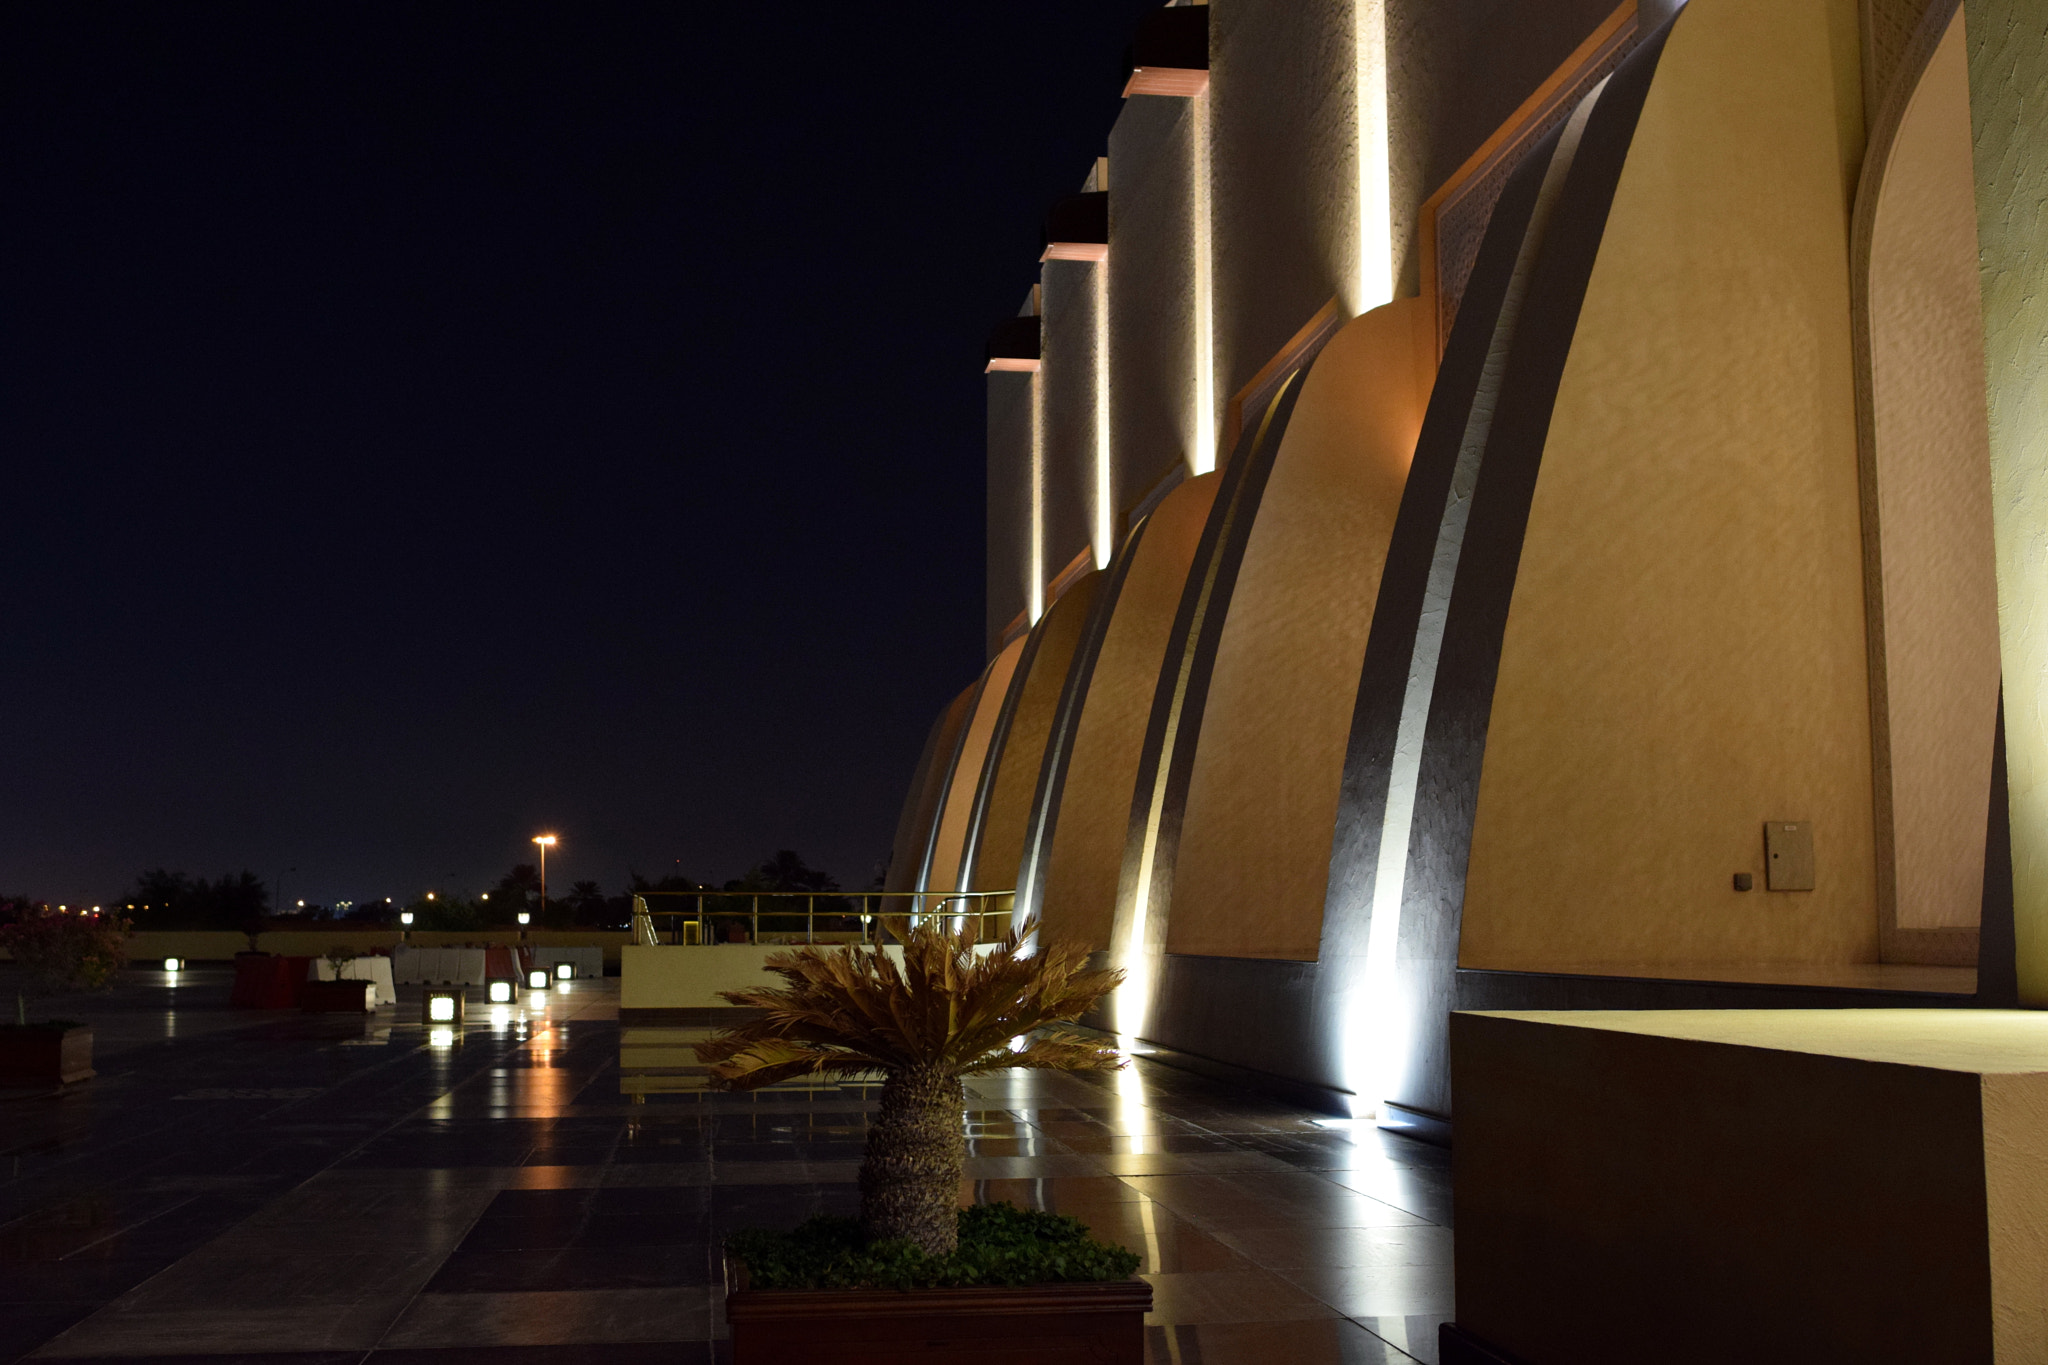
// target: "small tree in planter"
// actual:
[[58, 951], [948, 1012]]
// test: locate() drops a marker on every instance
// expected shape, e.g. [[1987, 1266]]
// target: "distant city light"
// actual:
[[430, 895]]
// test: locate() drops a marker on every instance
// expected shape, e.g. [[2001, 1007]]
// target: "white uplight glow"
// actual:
[[1105, 507], [1375, 191], [1036, 604], [441, 1009], [565, 971], [1202, 457], [174, 964], [501, 992], [537, 979]]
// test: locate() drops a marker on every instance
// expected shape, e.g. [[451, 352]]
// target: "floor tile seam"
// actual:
[[227, 1232], [1391, 1346], [385, 1331]]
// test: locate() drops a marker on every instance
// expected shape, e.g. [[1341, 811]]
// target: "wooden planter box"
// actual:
[[42, 1055], [338, 997], [1050, 1324]]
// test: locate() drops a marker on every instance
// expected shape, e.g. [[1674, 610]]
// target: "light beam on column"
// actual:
[[1105, 507], [1037, 600], [1375, 195], [1202, 458]]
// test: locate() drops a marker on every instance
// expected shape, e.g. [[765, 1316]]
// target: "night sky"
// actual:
[[426, 425]]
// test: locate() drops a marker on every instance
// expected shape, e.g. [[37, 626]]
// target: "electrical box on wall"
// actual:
[[1788, 855]]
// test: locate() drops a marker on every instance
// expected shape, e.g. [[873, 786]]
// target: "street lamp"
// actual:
[[546, 842]]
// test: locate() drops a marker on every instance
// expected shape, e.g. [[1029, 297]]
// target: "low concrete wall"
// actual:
[[672, 978]]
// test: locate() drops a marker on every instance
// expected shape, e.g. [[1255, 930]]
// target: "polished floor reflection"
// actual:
[[541, 1185]]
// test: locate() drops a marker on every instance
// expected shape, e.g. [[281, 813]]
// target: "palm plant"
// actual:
[[950, 1010]]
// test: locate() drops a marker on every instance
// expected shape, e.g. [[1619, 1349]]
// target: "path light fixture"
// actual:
[[525, 918], [174, 964], [444, 1004], [405, 918], [565, 971], [501, 992], [537, 979]]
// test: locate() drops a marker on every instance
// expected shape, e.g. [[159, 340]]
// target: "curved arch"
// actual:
[[1930, 576], [963, 778], [1076, 889], [1262, 797], [996, 840]]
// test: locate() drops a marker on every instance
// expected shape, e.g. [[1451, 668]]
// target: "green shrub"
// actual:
[[1000, 1244]]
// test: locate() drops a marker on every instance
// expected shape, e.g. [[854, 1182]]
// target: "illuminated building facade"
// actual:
[[1528, 509]]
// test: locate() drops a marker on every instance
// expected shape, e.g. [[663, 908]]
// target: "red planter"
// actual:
[[338, 997], [268, 981], [45, 1055], [1049, 1324]]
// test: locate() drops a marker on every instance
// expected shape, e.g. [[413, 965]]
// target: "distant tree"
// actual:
[[445, 914], [163, 899]]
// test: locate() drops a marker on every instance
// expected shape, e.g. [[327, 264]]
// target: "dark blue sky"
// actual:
[[426, 424]]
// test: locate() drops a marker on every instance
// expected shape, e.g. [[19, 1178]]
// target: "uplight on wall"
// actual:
[[174, 964], [537, 979], [564, 971], [501, 992], [444, 1005]]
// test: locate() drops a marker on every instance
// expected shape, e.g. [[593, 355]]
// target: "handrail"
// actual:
[[698, 922]]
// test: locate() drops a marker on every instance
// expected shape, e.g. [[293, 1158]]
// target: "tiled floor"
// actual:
[[542, 1186]]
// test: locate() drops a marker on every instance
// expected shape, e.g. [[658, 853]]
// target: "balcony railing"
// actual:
[[818, 916]]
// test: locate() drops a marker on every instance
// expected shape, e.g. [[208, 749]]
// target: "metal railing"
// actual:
[[723, 916]]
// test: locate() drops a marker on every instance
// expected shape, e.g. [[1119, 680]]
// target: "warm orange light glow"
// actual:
[[544, 840]]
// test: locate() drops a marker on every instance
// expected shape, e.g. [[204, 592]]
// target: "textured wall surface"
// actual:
[[1262, 799], [1095, 801], [1009, 501], [1931, 466], [1068, 377], [1684, 656], [1013, 769], [1152, 242], [2009, 117], [1283, 91], [956, 811]]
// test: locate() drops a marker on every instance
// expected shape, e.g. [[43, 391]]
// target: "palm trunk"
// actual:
[[910, 1179]]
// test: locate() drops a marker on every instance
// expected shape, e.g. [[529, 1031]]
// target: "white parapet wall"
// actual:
[[690, 977]]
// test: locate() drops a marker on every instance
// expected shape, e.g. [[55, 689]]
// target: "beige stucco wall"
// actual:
[[1684, 656], [1068, 379], [951, 840], [1152, 243], [2008, 53], [1284, 164], [1000, 846], [1094, 814], [1254, 851], [1931, 461], [1009, 501]]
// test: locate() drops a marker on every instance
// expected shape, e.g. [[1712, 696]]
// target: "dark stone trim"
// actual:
[[1191, 654], [1998, 976]]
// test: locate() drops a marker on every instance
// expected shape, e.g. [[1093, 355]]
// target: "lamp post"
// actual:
[[546, 842]]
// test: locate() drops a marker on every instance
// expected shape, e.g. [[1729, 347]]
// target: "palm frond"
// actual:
[[952, 1004]]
